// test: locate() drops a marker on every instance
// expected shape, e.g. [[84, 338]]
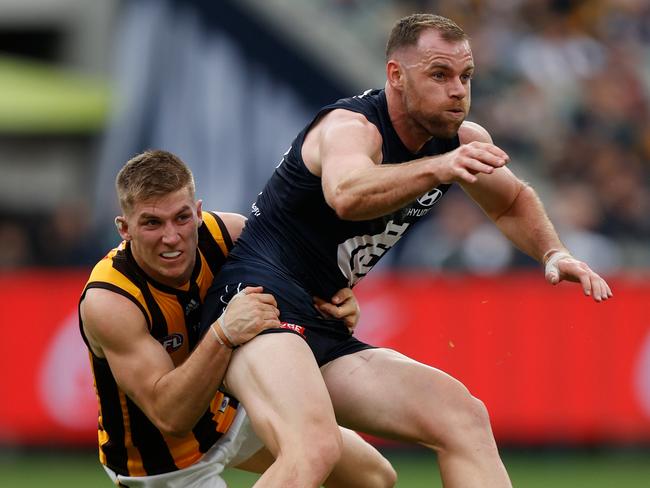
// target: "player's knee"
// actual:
[[470, 424], [463, 421], [385, 476], [310, 460], [323, 452], [475, 415]]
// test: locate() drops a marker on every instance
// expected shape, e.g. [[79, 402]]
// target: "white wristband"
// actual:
[[551, 264], [219, 334], [222, 323]]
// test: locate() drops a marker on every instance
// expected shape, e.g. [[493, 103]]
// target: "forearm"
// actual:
[[182, 396], [527, 226], [371, 192]]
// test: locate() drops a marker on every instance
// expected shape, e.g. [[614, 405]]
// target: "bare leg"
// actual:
[[382, 392], [360, 466], [276, 377]]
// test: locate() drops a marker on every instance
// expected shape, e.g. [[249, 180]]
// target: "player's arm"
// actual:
[[234, 223], [518, 212], [173, 398], [346, 151], [510, 203]]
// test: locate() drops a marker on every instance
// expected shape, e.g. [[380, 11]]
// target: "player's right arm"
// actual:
[[173, 398], [234, 224], [345, 150]]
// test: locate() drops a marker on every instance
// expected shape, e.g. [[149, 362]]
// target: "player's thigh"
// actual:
[[383, 392], [277, 379]]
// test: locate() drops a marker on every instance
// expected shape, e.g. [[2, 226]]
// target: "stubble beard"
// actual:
[[435, 125], [440, 128]]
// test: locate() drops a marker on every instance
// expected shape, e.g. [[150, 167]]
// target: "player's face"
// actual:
[[164, 236], [437, 80]]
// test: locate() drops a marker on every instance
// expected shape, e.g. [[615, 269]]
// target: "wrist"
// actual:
[[219, 333], [553, 251], [221, 324], [551, 266]]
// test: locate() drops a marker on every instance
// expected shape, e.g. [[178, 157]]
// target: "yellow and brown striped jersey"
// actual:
[[129, 443]]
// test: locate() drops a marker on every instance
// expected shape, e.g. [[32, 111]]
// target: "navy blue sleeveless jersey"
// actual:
[[295, 245]]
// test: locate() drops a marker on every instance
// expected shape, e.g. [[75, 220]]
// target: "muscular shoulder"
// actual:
[[116, 271], [344, 120], [107, 317], [234, 223], [471, 131], [337, 134]]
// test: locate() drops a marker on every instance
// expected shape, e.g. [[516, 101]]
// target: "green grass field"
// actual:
[[552, 469]]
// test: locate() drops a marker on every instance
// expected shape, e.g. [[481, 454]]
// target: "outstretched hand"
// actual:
[[463, 163], [562, 266], [344, 306]]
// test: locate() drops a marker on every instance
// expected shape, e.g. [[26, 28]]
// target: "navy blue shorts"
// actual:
[[327, 338]]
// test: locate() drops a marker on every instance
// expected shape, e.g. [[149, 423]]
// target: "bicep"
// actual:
[[348, 143], [119, 328]]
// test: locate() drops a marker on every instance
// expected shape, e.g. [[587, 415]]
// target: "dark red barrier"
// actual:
[[47, 386], [551, 365]]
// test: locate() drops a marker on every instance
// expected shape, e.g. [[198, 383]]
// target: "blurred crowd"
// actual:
[[65, 237], [562, 85]]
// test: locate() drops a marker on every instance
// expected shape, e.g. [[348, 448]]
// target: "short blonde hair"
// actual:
[[153, 173]]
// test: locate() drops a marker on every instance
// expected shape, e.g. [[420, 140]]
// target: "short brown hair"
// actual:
[[153, 173], [406, 31]]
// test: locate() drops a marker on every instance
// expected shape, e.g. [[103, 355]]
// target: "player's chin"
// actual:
[[446, 131], [174, 269]]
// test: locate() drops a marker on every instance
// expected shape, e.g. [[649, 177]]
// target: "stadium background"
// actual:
[[564, 87]]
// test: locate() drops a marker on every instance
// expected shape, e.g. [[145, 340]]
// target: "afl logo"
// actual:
[[172, 342], [430, 198]]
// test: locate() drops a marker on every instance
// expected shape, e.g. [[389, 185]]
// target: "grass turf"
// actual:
[[557, 469]]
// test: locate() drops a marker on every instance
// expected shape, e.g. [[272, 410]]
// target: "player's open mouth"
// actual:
[[170, 254]]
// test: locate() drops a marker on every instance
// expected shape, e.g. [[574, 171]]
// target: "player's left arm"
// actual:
[[519, 214], [343, 306]]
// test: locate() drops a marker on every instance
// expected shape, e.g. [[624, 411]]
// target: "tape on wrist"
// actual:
[[219, 333], [221, 322], [551, 263], [548, 254]]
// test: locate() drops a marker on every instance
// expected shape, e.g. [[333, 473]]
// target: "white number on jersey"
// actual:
[[358, 255]]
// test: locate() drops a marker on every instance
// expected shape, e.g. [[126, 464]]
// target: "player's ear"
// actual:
[[122, 227], [199, 211], [394, 74]]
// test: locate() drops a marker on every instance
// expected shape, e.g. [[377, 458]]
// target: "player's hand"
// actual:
[[463, 163], [562, 266], [248, 313], [344, 306]]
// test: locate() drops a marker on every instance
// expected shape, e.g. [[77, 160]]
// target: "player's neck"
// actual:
[[412, 135]]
